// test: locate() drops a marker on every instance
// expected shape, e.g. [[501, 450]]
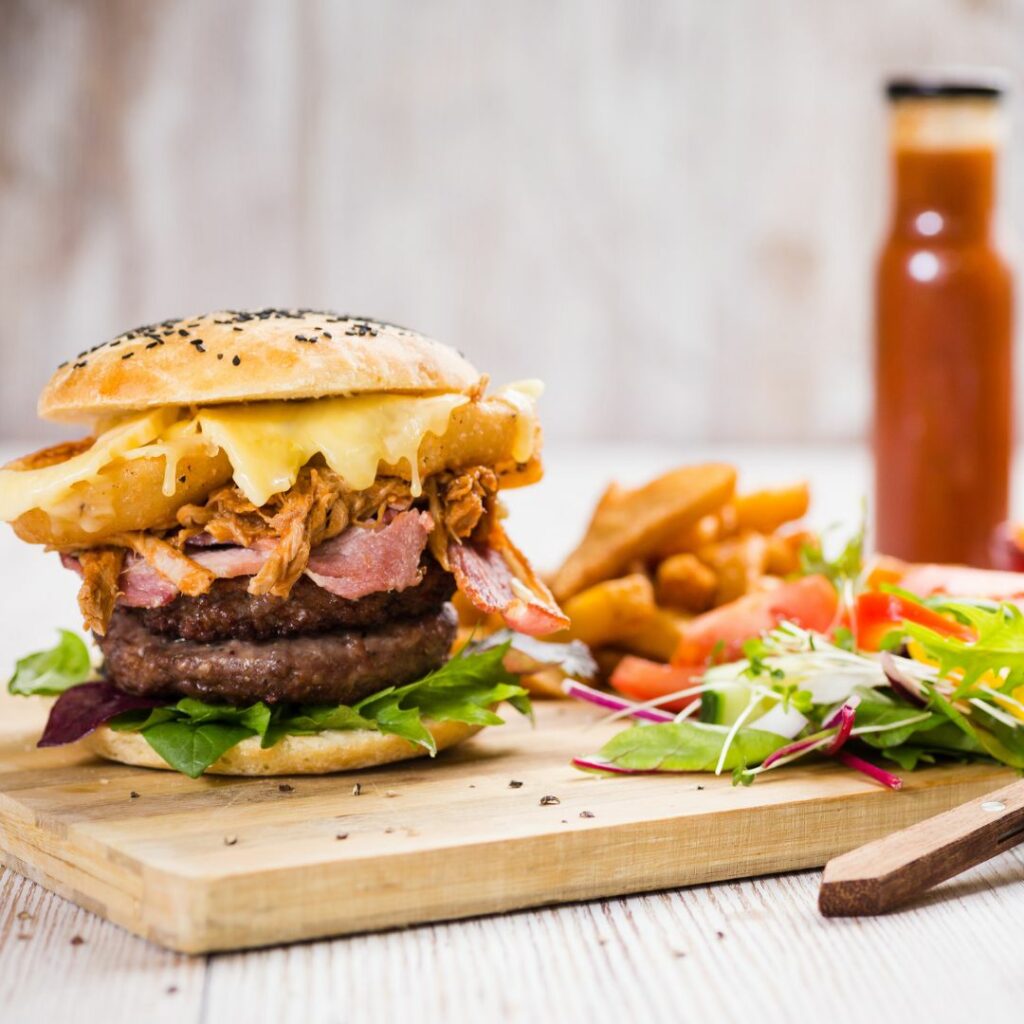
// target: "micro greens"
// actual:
[[846, 564]]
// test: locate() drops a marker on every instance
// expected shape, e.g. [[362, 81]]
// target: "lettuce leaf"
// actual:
[[687, 747], [191, 747], [51, 672]]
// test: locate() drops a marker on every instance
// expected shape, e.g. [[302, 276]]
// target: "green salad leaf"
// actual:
[[998, 648], [191, 747], [688, 747], [51, 672], [191, 734]]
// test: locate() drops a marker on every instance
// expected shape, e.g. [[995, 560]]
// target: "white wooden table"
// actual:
[[755, 952]]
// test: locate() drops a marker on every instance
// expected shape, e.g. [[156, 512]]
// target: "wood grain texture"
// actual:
[[657, 957], [668, 210], [890, 871], [223, 863]]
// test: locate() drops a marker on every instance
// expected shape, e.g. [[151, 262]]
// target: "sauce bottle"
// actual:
[[943, 329]]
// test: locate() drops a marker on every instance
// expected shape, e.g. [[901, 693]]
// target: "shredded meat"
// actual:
[[101, 568], [316, 508], [189, 577], [459, 503], [301, 523]]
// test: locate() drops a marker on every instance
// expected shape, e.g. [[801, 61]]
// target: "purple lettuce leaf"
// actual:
[[80, 710]]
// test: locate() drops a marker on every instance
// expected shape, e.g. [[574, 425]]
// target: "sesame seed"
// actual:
[[127, 355], [236, 361]]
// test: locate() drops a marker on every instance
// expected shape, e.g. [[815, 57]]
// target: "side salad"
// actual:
[[839, 663]]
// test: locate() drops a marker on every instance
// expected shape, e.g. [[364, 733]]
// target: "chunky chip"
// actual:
[[630, 525]]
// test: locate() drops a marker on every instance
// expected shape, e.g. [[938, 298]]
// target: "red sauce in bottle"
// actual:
[[943, 335]]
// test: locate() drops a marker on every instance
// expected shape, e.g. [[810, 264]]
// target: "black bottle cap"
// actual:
[[988, 85]]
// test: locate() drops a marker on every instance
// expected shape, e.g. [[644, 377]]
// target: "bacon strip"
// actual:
[[185, 573], [363, 561], [497, 578], [141, 586]]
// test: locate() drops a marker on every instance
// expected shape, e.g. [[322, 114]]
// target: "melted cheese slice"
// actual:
[[267, 443], [522, 396]]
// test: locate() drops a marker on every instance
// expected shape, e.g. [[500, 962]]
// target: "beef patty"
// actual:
[[228, 611], [341, 667]]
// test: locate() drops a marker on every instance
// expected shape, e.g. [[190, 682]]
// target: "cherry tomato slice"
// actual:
[[719, 635]]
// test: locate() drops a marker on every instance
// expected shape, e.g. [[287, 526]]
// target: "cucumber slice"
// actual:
[[723, 705]]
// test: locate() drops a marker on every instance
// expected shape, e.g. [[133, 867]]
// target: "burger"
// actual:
[[269, 520]]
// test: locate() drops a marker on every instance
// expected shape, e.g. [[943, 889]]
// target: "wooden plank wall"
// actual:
[[668, 210]]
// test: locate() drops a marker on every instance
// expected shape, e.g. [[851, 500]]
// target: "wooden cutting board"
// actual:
[[224, 863]]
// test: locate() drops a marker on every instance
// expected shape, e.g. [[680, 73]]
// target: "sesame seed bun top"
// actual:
[[238, 356]]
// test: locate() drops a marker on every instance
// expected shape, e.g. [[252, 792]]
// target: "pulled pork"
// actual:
[[316, 508], [189, 577], [459, 503], [101, 568]]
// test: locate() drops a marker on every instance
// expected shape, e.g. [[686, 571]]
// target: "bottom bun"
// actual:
[[330, 751]]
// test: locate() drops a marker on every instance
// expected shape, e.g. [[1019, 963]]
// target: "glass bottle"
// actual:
[[943, 422]]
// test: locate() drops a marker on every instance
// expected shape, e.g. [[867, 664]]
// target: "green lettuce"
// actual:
[[51, 672], [191, 734], [687, 747]]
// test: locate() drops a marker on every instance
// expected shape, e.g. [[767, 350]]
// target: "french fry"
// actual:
[[684, 581], [782, 557], [705, 531], [659, 637], [545, 682], [635, 524], [738, 563], [728, 521], [609, 611], [766, 510]]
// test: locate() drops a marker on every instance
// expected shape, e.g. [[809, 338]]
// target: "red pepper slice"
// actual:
[[643, 680], [878, 614]]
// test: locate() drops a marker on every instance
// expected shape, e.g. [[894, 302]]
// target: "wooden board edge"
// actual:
[[94, 878], [279, 906]]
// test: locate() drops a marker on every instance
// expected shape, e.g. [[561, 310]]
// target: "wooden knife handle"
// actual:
[[888, 872]]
